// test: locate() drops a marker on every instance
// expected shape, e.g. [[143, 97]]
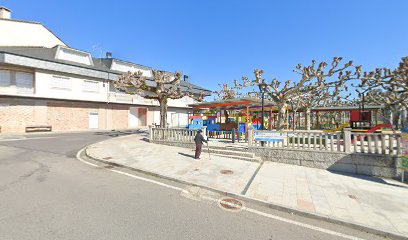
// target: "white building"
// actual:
[[44, 82]]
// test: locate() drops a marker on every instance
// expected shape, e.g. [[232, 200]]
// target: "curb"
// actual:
[[22, 134], [260, 202]]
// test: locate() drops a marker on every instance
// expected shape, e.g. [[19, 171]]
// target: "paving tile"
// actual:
[[305, 205]]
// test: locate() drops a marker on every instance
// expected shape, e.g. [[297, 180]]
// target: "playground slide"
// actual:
[[374, 129], [378, 127]]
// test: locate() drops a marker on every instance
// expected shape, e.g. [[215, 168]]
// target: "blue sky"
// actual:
[[219, 41]]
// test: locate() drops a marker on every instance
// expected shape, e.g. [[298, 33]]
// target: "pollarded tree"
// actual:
[[226, 93], [323, 84], [388, 88], [280, 94], [311, 90], [162, 87]]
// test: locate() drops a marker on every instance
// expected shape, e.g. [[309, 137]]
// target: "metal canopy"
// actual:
[[232, 104], [254, 104]]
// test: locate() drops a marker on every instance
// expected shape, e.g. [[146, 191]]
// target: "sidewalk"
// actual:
[[368, 201]]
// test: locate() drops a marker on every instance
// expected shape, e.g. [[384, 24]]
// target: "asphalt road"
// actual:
[[47, 193]]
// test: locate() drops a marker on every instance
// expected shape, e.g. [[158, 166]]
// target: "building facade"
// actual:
[[44, 82]]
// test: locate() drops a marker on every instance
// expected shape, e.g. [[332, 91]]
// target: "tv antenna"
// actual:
[[98, 49]]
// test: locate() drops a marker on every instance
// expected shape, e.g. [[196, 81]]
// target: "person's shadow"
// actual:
[[186, 155]]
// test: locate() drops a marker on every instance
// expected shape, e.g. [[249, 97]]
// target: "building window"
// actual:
[[59, 82], [24, 82], [5, 78], [90, 86]]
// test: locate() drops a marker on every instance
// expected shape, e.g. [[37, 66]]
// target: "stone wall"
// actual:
[[356, 163]]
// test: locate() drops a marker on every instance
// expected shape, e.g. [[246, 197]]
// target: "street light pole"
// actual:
[[262, 88], [262, 119]]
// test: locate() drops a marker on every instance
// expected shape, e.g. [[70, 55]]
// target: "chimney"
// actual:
[[5, 13], [108, 55]]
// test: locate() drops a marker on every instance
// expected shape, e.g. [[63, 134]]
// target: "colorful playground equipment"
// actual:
[[337, 129], [195, 122], [237, 125], [237, 115], [373, 130]]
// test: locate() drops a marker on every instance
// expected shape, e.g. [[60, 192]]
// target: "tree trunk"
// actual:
[[405, 118], [395, 118], [226, 115], [163, 112], [281, 116], [307, 113], [294, 120]]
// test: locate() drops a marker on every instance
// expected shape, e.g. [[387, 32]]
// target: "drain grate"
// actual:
[[230, 204], [107, 158], [226, 172], [109, 166], [352, 196]]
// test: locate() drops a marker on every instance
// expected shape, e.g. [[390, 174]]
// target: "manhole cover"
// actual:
[[230, 204], [107, 158], [226, 171], [352, 196]]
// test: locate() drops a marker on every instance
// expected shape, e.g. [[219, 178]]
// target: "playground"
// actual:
[[231, 119]]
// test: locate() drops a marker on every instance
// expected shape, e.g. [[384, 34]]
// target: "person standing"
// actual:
[[199, 139]]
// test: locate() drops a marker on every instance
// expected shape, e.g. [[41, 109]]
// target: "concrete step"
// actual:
[[236, 148], [230, 152], [250, 159]]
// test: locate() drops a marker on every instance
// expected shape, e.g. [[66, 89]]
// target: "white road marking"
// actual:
[[148, 180], [21, 139], [128, 174], [78, 156], [305, 225], [254, 211]]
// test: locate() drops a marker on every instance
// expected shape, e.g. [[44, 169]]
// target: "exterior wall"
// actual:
[[120, 117], [44, 87], [66, 116], [17, 114], [177, 117], [182, 102], [68, 108], [150, 116], [126, 67], [11, 73], [25, 34], [119, 97]]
